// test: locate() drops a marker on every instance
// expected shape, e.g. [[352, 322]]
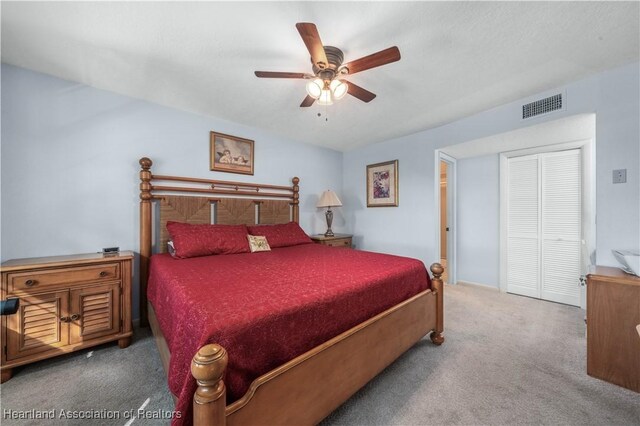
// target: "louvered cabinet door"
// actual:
[[95, 312], [39, 326]]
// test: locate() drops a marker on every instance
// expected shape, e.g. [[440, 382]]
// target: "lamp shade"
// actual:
[[329, 199], [339, 89], [314, 88], [326, 98]]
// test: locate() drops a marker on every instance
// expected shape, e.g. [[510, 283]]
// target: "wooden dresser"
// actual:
[[613, 313], [66, 303], [338, 240]]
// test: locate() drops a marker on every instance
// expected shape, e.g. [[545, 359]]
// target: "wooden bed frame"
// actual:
[[309, 387]]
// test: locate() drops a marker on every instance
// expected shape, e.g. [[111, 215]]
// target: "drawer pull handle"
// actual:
[[30, 283], [75, 317], [103, 273], [64, 319]]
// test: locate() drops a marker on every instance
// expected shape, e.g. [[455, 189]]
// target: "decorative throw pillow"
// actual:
[[203, 240], [258, 243], [283, 235]]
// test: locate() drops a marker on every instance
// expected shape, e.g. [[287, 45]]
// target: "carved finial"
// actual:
[[209, 364], [145, 179], [146, 163], [295, 199], [209, 402], [437, 270], [296, 189]]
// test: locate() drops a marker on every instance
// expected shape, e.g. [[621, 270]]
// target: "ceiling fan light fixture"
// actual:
[[314, 88], [325, 84], [326, 97], [338, 89]]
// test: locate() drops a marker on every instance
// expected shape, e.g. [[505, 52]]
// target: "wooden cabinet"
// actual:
[[66, 303], [613, 314], [338, 240]]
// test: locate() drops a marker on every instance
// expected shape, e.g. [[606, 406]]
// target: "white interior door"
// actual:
[[561, 190], [523, 242], [450, 217], [544, 214]]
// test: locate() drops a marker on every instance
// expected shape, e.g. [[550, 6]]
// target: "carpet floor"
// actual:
[[507, 360]]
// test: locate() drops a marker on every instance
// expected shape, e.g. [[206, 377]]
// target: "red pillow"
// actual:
[[289, 234], [203, 240]]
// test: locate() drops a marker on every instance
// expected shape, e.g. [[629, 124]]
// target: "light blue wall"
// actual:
[[410, 228], [70, 164], [70, 171], [478, 218]]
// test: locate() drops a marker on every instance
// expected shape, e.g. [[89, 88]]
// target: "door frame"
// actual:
[[587, 148], [452, 221]]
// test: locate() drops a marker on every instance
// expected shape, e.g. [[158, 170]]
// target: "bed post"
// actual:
[[209, 401], [145, 235], [438, 288], [296, 196]]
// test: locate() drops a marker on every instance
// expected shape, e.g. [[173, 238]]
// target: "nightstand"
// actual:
[[67, 303], [613, 313], [338, 240]]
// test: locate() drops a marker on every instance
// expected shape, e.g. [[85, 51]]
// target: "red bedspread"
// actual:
[[267, 308]]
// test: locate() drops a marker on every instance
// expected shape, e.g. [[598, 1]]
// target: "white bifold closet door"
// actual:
[[544, 230]]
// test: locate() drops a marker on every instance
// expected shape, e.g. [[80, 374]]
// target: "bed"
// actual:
[[281, 337]]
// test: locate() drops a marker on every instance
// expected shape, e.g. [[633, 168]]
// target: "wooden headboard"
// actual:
[[198, 201]]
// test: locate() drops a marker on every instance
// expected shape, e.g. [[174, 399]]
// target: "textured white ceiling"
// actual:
[[458, 58]]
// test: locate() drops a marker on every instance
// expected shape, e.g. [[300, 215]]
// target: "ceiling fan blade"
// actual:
[[382, 57], [363, 94], [311, 38], [272, 74], [308, 101]]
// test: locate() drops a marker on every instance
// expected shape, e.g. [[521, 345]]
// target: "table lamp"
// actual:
[[329, 199]]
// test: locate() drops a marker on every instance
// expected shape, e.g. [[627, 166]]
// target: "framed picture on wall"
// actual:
[[382, 184], [231, 154]]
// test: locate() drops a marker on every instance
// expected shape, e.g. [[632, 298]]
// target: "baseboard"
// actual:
[[474, 284]]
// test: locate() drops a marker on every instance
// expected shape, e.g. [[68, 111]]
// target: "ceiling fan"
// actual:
[[327, 82]]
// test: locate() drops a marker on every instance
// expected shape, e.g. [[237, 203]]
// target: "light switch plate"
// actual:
[[620, 176]]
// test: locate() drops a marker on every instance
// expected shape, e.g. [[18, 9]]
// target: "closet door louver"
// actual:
[[523, 268], [544, 230], [561, 196]]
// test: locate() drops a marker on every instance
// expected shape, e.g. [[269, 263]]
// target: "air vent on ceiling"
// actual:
[[542, 106]]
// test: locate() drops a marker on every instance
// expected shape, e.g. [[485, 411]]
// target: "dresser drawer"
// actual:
[[341, 242], [34, 280]]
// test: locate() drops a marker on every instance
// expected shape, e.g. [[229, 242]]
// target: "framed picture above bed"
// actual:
[[382, 184], [231, 154]]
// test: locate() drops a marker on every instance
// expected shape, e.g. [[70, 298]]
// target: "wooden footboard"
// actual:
[[306, 389]]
